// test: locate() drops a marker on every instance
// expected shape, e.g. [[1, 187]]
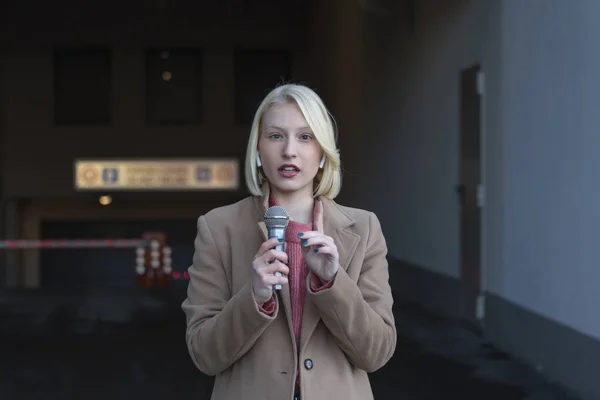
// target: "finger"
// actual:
[[330, 250], [268, 245], [318, 216], [264, 293], [321, 240], [272, 280], [310, 234], [275, 255], [270, 269]]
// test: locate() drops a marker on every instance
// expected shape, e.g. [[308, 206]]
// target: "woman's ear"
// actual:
[[322, 163], [258, 162]]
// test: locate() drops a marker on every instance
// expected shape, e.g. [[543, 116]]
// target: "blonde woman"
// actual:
[[332, 322]]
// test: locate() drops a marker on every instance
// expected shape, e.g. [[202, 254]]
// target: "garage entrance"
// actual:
[[108, 267]]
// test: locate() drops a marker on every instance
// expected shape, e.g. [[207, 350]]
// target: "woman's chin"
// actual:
[[289, 186]]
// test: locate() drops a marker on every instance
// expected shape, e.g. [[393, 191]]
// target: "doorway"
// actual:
[[470, 194]]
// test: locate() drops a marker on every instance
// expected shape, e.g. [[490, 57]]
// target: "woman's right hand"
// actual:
[[266, 263]]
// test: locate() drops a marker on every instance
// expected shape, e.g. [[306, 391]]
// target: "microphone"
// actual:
[[276, 219]]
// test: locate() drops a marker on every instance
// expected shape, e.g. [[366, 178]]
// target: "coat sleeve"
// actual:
[[221, 327], [359, 314]]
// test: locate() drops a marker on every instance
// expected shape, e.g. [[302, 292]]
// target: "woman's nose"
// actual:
[[289, 149]]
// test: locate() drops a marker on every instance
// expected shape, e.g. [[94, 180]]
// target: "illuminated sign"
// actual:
[[202, 174]]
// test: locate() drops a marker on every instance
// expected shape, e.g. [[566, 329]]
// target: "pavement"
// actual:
[[128, 343]]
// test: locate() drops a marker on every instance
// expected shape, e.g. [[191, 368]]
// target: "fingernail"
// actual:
[[316, 250], [300, 234], [304, 242], [288, 261], [280, 239]]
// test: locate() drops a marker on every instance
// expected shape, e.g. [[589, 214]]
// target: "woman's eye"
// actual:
[[276, 136], [306, 136]]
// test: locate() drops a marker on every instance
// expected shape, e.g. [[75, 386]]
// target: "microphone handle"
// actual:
[[279, 248], [279, 233]]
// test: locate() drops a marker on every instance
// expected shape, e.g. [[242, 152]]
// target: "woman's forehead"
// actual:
[[286, 116]]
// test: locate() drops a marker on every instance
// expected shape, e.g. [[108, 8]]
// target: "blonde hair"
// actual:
[[328, 180]]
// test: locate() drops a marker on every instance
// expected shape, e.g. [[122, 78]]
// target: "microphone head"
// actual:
[[276, 217]]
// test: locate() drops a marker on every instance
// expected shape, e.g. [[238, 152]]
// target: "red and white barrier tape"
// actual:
[[73, 243]]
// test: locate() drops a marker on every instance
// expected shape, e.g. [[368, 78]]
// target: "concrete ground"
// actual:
[[123, 344]]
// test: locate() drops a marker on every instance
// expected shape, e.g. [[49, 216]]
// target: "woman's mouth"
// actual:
[[289, 171]]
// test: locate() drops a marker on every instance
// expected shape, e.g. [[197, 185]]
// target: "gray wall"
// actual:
[[544, 300], [540, 138], [39, 155], [407, 153], [3, 271], [551, 140], [338, 51]]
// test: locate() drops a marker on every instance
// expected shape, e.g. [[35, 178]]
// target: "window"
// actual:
[[82, 83], [174, 86], [256, 73]]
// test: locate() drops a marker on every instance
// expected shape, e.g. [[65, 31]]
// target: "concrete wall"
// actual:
[[404, 160], [551, 201], [2, 203], [396, 81], [39, 154], [540, 138], [545, 307], [338, 54]]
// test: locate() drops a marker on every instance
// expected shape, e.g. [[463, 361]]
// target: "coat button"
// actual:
[[308, 363]]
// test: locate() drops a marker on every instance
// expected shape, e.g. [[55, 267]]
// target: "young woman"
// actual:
[[332, 322]]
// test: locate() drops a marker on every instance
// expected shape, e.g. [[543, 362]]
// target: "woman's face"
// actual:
[[289, 151]]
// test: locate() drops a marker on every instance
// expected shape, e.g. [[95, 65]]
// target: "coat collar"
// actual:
[[334, 217], [337, 224]]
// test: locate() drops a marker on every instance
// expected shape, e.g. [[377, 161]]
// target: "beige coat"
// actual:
[[347, 330]]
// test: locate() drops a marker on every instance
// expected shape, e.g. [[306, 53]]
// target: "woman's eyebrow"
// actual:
[[302, 128]]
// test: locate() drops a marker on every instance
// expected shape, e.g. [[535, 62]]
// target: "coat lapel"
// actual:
[[336, 224]]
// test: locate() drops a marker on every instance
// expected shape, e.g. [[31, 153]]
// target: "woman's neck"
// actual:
[[298, 205]]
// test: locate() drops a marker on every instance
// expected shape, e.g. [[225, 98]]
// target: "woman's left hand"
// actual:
[[320, 252]]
